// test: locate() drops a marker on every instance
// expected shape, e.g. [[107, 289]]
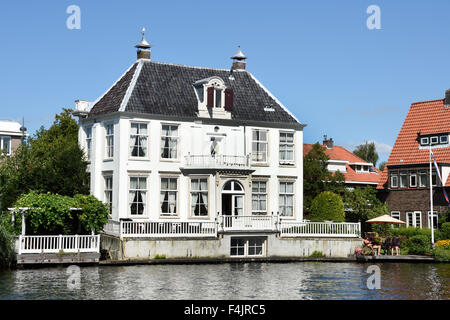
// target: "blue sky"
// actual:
[[317, 57]]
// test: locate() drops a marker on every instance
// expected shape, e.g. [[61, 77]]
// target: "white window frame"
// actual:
[[436, 140], [144, 196], [415, 215], [168, 191], [2, 145], [396, 185], [261, 196], [245, 247], [403, 175], [170, 137], [109, 141], [139, 135], [238, 246], [435, 216], [89, 143], [108, 191], [441, 138], [425, 175], [199, 191], [255, 153], [287, 145], [395, 215], [411, 185], [285, 196], [423, 139]]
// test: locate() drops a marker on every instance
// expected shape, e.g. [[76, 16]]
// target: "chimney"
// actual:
[[239, 60], [328, 142], [143, 47], [447, 98]]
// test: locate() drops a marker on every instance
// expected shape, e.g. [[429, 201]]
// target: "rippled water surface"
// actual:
[[305, 280]]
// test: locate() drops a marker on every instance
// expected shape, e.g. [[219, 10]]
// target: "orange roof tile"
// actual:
[[342, 154], [427, 117]]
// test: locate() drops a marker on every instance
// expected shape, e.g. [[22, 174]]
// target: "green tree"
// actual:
[[368, 152], [363, 204], [53, 214], [50, 161], [327, 206], [382, 165], [317, 178]]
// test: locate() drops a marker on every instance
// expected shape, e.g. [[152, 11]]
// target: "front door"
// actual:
[[232, 204]]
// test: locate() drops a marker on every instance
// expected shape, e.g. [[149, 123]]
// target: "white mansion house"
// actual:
[[191, 151]]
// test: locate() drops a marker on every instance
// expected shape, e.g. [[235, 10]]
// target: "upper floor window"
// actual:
[[423, 179], [434, 140], [413, 180], [394, 180], [169, 142], [109, 140], [259, 146], [286, 147], [138, 140], [88, 142], [5, 145]]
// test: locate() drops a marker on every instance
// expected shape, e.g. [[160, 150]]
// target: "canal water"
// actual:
[[273, 281]]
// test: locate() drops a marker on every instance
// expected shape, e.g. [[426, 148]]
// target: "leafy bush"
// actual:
[[445, 230], [317, 254], [411, 232], [419, 244], [6, 247], [51, 214], [327, 206], [441, 253]]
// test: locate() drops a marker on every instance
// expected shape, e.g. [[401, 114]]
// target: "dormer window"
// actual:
[[425, 141], [214, 98], [435, 140], [444, 139]]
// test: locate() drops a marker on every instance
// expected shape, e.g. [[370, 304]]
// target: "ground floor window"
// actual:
[[414, 219], [435, 219], [137, 195], [395, 215], [248, 247]]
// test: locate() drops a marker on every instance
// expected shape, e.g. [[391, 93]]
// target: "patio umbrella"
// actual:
[[385, 220]]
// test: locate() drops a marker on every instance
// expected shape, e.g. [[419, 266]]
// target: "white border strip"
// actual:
[[120, 78], [130, 89], [273, 97]]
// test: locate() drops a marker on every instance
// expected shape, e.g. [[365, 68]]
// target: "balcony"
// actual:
[[218, 162], [248, 223]]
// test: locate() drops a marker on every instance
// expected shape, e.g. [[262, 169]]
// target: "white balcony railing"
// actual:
[[320, 229], [57, 244], [218, 161], [168, 229], [248, 223]]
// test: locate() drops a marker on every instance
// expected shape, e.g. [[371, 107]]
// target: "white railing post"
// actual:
[[60, 243], [77, 249]]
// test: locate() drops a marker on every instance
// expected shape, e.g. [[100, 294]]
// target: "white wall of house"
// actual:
[[194, 138]]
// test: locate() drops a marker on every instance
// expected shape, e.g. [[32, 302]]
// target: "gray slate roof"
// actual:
[[156, 88]]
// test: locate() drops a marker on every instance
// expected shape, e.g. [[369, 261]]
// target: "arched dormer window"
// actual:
[[212, 94]]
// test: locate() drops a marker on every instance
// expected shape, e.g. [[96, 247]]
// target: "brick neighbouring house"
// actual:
[[10, 136], [404, 183], [357, 172]]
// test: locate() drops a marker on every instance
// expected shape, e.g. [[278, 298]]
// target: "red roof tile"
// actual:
[[427, 117], [342, 154]]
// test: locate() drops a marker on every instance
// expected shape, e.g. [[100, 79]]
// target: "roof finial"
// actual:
[[143, 44], [239, 55], [239, 60], [143, 47]]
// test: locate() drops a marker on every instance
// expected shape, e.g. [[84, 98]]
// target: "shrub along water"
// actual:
[[327, 206], [6, 247]]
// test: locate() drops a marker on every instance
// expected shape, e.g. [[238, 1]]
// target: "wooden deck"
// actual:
[[401, 258], [55, 258]]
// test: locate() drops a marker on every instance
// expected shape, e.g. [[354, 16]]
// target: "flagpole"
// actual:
[[431, 201]]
